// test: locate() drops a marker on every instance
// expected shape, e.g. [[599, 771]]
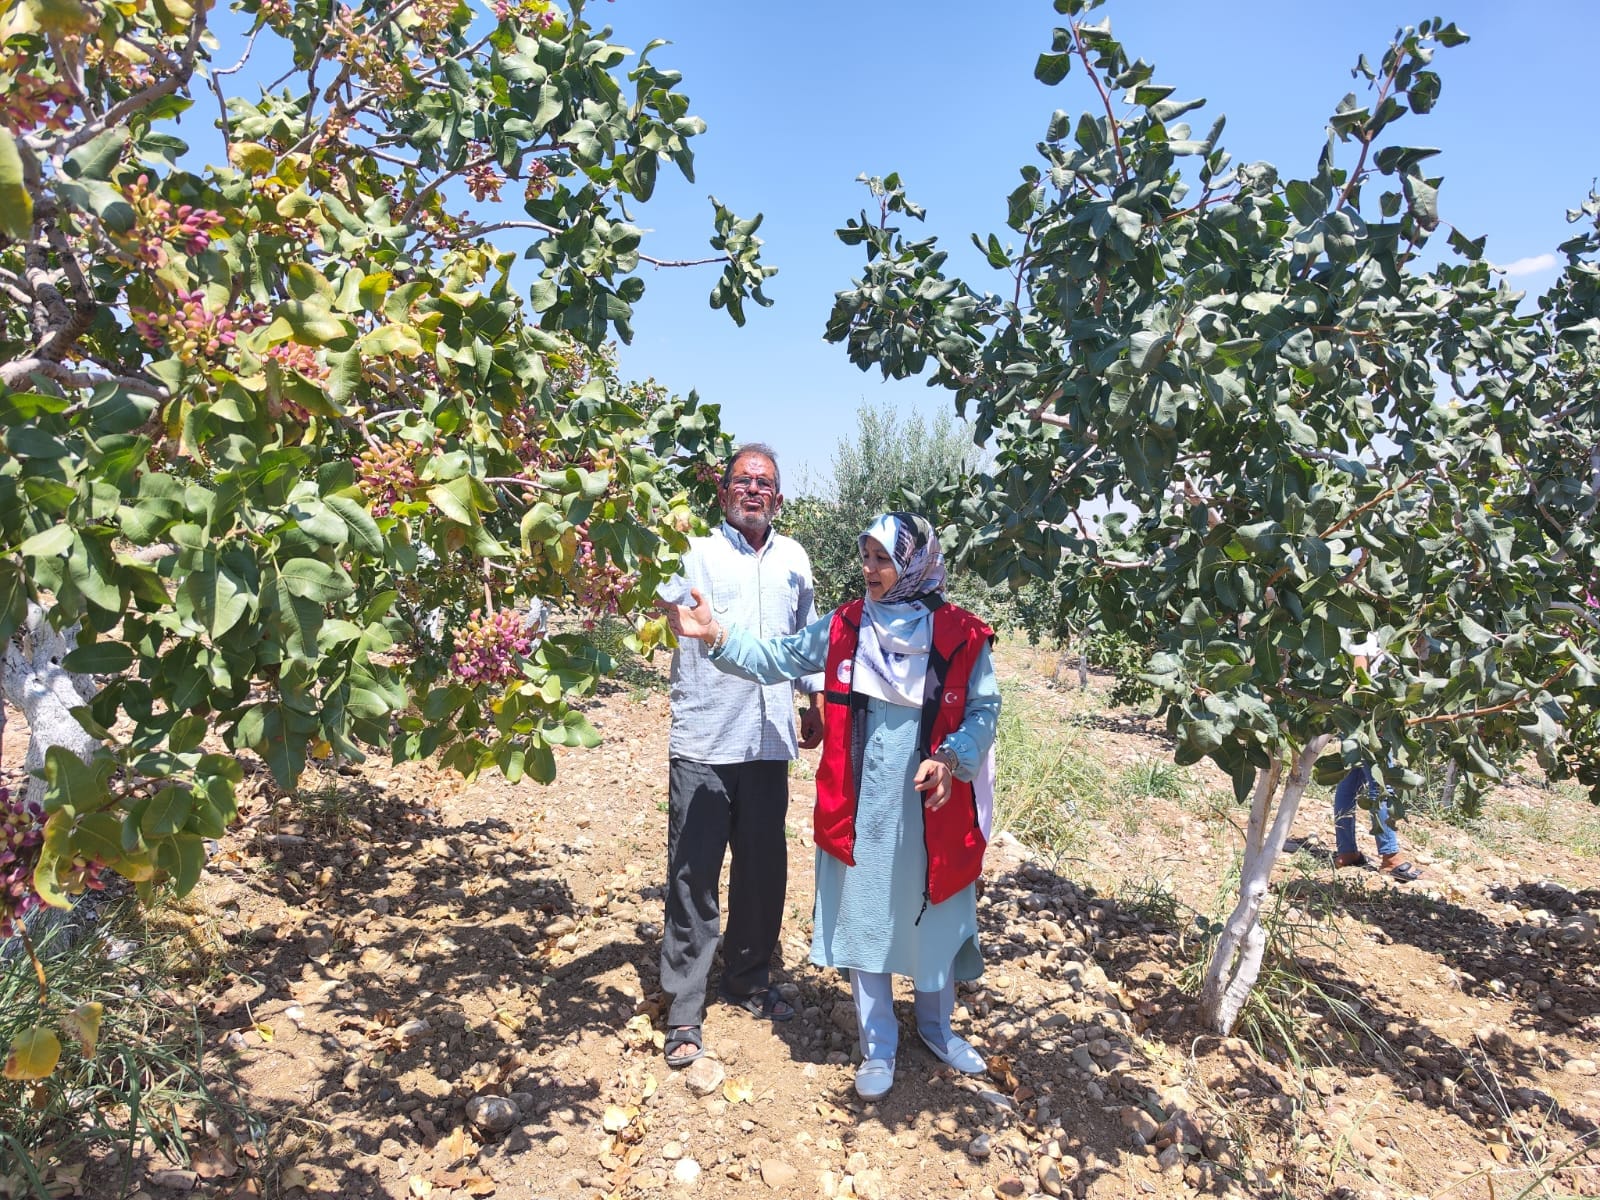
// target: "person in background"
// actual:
[[905, 790], [1367, 656], [728, 770]]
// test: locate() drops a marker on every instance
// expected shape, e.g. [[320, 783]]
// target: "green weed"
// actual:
[[1152, 901], [1288, 1009], [149, 1086], [1047, 790], [1154, 778]]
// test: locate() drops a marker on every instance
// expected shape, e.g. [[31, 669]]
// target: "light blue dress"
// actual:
[[871, 916]]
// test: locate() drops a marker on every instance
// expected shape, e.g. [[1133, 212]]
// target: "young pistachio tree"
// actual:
[[1303, 435], [286, 461]]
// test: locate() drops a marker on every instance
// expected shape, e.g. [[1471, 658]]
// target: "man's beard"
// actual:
[[752, 525]]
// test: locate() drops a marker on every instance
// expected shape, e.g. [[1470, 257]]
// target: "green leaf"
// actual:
[[313, 322], [183, 858], [95, 158], [219, 597], [56, 540], [364, 532], [312, 579], [55, 850], [71, 783], [99, 658], [98, 836], [453, 499], [187, 732], [16, 205], [14, 595], [167, 813]]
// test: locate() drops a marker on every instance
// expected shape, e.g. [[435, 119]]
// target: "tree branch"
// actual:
[[1105, 97], [1473, 714], [439, 181], [17, 372], [139, 101]]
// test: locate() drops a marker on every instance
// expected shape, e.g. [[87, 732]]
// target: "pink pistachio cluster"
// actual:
[[539, 178], [32, 102], [21, 834], [292, 356], [158, 222], [484, 182], [191, 330], [21, 831], [488, 649], [539, 14], [597, 584], [386, 475]]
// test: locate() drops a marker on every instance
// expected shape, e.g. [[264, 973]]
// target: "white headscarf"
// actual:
[[892, 652]]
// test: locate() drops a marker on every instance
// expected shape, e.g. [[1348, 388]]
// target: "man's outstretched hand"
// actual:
[[694, 622]]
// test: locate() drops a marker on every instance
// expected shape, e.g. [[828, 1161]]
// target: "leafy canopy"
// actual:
[[279, 435]]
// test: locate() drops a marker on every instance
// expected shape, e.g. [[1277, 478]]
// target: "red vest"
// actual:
[[953, 839]]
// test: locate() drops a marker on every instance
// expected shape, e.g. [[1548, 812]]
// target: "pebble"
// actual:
[[686, 1172], [1581, 1066], [947, 1125], [558, 1146], [778, 1175], [981, 1146], [559, 926], [492, 1114], [704, 1077], [1049, 1175], [672, 1152]]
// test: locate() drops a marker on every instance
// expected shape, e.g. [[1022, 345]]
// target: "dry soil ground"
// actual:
[[426, 987]]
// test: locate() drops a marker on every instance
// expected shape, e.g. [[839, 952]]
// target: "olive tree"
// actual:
[[1302, 431], [289, 464]]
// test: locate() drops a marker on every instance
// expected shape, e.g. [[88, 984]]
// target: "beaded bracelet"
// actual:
[[720, 640]]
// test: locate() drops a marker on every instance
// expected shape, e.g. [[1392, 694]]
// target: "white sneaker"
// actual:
[[874, 1078], [957, 1053]]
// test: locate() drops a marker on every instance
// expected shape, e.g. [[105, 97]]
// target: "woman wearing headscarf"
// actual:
[[905, 788]]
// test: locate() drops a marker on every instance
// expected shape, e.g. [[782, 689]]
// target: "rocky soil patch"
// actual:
[[436, 988]]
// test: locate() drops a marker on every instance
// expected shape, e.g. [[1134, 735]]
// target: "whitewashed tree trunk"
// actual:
[[1236, 964], [33, 679]]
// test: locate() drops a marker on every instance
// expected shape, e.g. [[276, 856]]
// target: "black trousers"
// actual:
[[713, 809]]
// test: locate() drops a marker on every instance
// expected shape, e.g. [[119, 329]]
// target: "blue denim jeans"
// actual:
[[1344, 814]]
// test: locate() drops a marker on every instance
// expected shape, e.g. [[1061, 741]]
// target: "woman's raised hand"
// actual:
[[693, 621]]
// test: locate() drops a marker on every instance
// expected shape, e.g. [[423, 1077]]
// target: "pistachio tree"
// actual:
[[1304, 433], [297, 454]]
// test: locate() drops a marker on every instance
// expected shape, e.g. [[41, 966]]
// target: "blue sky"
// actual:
[[799, 100]]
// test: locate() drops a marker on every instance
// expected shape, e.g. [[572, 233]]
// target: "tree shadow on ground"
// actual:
[[431, 959], [1490, 1082]]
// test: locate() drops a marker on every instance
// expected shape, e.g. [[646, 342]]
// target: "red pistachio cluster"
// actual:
[[386, 475], [488, 650], [292, 356], [21, 832], [191, 330], [159, 223], [484, 182], [32, 102], [597, 584]]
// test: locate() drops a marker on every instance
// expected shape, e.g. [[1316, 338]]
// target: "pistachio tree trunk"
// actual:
[[1236, 963], [45, 692]]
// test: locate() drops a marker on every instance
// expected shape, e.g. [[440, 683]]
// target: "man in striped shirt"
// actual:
[[729, 754]]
